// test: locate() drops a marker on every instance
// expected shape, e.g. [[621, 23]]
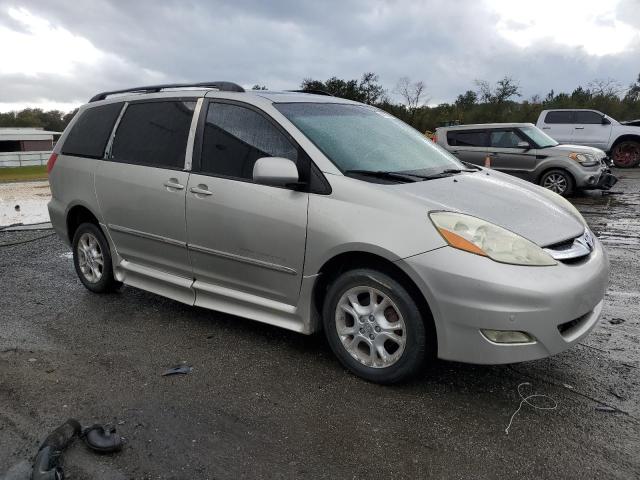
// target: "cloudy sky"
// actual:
[[58, 53]]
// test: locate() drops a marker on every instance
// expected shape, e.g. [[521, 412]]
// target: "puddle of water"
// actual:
[[31, 199]]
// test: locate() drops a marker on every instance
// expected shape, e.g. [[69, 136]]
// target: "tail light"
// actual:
[[51, 162]]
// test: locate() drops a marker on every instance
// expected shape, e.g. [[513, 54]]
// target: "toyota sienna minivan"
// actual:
[[311, 212]]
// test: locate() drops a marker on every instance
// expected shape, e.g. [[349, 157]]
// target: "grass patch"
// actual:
[[21, 174]]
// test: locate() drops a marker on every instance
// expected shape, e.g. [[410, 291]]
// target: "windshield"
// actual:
[[359, 137], [539, 137]]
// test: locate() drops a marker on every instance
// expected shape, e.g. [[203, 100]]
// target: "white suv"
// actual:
[[594, 129]]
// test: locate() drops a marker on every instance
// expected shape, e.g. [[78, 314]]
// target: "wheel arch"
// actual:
[[623, 138], [548, 168], [77, 215], [350, 260]]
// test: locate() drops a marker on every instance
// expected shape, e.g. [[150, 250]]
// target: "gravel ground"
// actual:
[[266, 403]]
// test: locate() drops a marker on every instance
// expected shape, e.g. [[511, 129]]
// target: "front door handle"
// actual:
[[173, 184], [579, 128], [201, 190]]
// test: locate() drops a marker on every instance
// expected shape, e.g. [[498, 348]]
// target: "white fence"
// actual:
[[23, 159]]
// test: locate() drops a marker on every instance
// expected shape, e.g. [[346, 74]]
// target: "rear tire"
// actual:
[[383, 340], [626, 154], [558, 181], [92, 259]]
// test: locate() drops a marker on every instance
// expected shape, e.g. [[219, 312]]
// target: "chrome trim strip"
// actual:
[[107, 150], [239, 258], [150, 236], [188, 156], [581, 247]]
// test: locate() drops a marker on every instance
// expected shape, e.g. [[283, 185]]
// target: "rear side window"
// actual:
[[593, 118], [235, 137], [504, 139], [154, 134], [90, 133], [559, 117], [467, 138]]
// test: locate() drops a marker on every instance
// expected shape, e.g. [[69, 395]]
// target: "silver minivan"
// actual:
[[311, 212]]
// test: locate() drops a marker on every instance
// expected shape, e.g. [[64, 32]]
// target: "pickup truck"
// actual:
[[594, 129]]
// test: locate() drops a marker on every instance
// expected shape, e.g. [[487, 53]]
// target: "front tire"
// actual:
[[92, 259], [558, 181], [375, 327], [626, 154]]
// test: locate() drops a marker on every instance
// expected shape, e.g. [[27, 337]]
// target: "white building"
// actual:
[[25, 146]]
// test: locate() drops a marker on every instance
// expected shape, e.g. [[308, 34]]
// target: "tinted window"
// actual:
[[504, 139], [154, 134], [235, 137], [559, 117], [90, 133], [589, 117], [467, 138]]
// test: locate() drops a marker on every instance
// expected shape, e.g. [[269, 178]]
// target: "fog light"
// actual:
[[592, 180], [507, 336]]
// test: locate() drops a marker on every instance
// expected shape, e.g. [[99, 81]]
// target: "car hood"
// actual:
[[572, 148], [511, 203]]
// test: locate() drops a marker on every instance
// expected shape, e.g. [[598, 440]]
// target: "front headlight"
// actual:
[[475, 235], [585, 159]]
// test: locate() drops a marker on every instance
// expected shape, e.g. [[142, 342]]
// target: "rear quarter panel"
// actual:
[[72, 183]]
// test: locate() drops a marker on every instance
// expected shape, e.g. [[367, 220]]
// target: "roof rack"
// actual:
[[315, 92], [222, 86]]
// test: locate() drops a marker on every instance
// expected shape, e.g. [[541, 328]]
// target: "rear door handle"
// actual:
[[173, 184], [579, 128], [201, 190], [546, 128]]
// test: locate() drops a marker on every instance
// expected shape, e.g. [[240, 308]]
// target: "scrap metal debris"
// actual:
[[178, 370], [606, 408]]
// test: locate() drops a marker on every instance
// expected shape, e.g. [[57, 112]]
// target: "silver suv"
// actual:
[[523, 150], [311, 212]]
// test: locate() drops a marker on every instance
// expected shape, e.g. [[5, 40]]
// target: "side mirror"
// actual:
[[525, 145], [605, 121], [275, 171]]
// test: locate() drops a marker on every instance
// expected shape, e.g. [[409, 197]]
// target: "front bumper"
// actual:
[[602, 179], [557, 305], [607, 180]]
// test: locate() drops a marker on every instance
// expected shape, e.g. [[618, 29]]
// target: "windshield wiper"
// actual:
[[382, 174], [459, 170], [408, 177], [472, 166]]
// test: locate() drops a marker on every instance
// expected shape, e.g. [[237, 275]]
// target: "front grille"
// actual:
[[571, 251]]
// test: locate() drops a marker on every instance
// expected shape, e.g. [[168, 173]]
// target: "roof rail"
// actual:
[[222, 86], [315, 92]]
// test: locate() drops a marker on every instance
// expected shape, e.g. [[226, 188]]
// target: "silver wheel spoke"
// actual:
[[90, 257], [373, 334], [344, 330]]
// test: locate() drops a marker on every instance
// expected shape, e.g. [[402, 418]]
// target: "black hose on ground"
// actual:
[[97, 437], [46, 465]]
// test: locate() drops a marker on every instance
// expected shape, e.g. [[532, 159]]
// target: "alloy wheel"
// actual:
[[556, 182], [370, 327], [90, 257], [626, 154]]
